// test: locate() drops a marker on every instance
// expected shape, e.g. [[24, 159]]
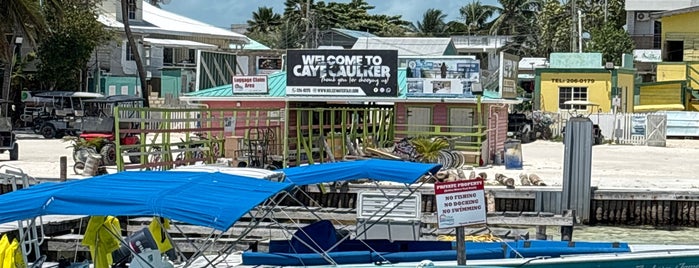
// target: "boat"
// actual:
[[216, 198]]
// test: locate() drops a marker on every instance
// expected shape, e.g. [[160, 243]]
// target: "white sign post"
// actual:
[[460, 203]]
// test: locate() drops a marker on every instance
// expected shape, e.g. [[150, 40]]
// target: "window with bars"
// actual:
[[571, 94], [132, 9]]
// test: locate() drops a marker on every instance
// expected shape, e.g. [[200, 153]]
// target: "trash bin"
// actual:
[[513, 154]]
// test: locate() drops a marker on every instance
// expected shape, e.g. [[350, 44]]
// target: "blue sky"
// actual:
[[223, 13]]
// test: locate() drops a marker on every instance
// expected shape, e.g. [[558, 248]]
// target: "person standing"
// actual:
[[443, 70]]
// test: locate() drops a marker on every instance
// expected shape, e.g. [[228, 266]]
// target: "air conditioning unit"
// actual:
[[642, 16]]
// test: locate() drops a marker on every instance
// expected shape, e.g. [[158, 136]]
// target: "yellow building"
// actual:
[[677, 77], [582, 77]]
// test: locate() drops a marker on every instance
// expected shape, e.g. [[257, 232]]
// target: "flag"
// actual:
[[159, 235], [103, 235]]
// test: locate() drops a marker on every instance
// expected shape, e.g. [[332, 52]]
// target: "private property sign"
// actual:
[[460, 203], [342, 73]]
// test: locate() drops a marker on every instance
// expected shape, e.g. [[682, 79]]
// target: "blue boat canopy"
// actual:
[[210, 199], [213, 200], [377, 169]]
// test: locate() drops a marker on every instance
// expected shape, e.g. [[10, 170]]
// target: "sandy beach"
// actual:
[[624, 166], [616, 166]]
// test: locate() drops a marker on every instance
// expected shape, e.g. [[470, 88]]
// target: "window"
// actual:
[[192, 55], [132, 9], [571, 94], [168, 56], [129, 53]]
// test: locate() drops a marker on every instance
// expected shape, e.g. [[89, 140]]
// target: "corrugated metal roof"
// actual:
[[353, 33], [161, 21], [178, 43], [276, 84], [674, 12], [219, 91], [409, 46]]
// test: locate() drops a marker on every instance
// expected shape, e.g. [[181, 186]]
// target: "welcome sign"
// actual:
[[341, 73]]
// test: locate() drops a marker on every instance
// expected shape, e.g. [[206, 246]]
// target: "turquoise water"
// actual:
[[635, 235]]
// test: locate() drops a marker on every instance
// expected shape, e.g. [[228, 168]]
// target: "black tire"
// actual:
[[134, 159], [108, 153], [525, 137], [81, 154], [48, 131], [78, 168], [37, 124], [14, 153]]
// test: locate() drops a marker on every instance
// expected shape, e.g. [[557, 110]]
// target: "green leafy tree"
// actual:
[[264, 20], [432, 23], [475, 17], [611, 41], [514, 17], [19, 18], [64, 53], [553, 29]]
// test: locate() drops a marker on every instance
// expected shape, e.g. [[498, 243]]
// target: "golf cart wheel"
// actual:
[[78, 168], [81, 154], [37, 124], [14, 153], [48, 131], [134, 159], [526, 137], [108, 153]]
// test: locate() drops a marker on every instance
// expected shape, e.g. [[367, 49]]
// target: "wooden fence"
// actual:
[[621, 128]]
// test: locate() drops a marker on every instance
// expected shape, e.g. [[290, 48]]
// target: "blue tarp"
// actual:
[[383, 170], [213, 200]]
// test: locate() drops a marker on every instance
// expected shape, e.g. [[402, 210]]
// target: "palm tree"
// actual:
[[137, 56], [515, 17], [475, 16], [264, 20], [432, 23], [18, 18]]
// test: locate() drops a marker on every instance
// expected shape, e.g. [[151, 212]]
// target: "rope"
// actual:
[[472, 238]]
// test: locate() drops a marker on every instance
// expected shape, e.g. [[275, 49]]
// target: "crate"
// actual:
[[392, 216], [231, 146]]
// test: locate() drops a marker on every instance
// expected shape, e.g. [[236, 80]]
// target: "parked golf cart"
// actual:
[[589, 108], [519, 126], [56, 113], [8, 141], [98, 130]]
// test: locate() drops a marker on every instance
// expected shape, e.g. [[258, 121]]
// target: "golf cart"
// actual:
[[519, 126], [98, 129], [589, 107], [8, 141], [56, 113]]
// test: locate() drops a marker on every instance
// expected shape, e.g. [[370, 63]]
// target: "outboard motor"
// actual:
[[136, 243]]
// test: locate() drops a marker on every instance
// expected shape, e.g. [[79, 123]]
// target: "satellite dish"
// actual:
[[165, 2]]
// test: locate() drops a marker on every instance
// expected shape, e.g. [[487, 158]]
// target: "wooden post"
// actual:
[[460, 246], [63, 168]]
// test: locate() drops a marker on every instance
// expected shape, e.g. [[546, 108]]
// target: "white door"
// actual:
[[461, 120], [419, 118]]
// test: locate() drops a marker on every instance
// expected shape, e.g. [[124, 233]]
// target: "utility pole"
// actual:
[[606, 12], [308, 23], [573, 31], [579, 31]]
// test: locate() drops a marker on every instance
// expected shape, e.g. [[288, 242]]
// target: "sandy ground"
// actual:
[[616, 166], [622, 166]]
